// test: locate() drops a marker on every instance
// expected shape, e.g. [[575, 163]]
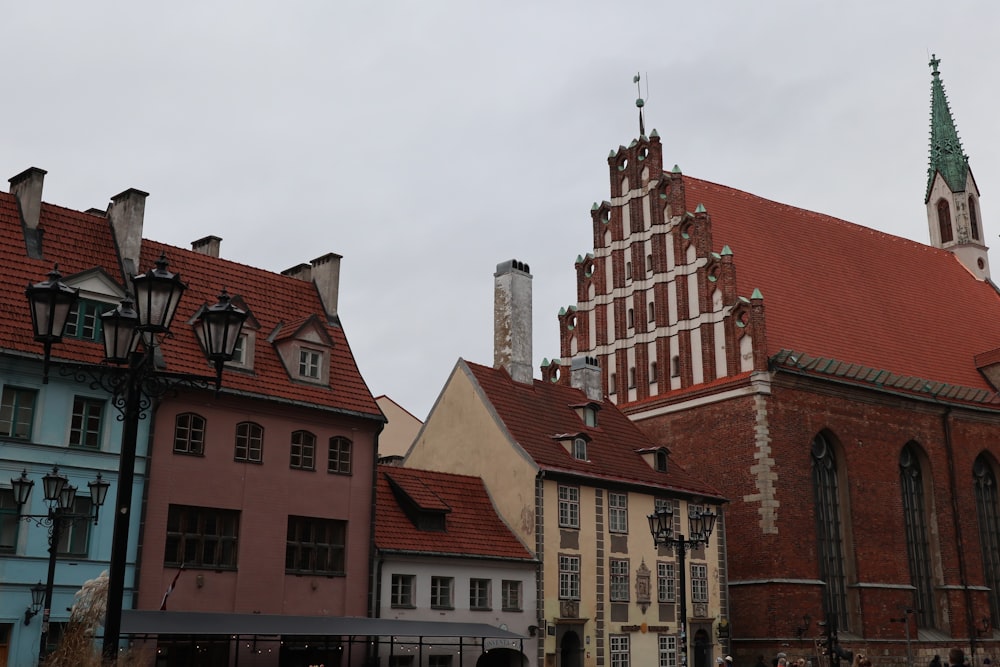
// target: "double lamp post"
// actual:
[[132, 333], [700, 524]]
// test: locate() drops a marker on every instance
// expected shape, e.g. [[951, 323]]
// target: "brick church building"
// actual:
[[836, 383]]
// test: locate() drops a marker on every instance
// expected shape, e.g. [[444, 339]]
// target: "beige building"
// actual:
[[400, 430], [576, 480]]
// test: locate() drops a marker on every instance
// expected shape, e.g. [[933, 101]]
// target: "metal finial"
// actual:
[[639, 103]]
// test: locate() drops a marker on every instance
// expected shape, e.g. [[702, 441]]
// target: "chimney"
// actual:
[[585, 375], [325, 272], [27, 187], [208, 245], [512, 320], [301, 271], [126, 212]]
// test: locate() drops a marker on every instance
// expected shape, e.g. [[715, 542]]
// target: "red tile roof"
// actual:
[[534, 414], [80, 241], [473, 527], [838, 290]]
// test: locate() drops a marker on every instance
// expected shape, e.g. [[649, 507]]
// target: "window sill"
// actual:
[[402, 606], [480, 608]]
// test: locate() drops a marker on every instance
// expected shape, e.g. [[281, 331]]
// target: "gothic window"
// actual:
[[973, 218], [944, 221], [988, 515], [829, 531], [917, 542]]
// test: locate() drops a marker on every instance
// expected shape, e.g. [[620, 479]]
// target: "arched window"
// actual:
[[652, 312], [661, 460], [944, 221], [249, 442], [918, 550], [988, 514], [829, 531], [340, 456], [303, 452], [189, 434], [973, 218], [630, 318], [628, 270]]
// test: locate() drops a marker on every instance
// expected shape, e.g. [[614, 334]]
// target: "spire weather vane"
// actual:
[[640, 103]]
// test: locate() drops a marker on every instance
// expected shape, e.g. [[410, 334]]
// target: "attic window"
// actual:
[[243, 352], [84, 319], [309, 361], [580, 449], [590, 415], [661, 460]]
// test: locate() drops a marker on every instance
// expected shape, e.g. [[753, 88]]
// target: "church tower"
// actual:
[[952, 198]]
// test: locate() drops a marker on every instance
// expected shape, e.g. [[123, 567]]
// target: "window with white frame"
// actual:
[[619, 580], [17, 410], [189, 434], [401, 592], [309, 361], [510, 590], [85, 427], [666, 582], [442, 592], [667, 650], [619, 650], [580, 449], [699, 583], [9, 521], [302, 454], [249, 443], [240, 351], [569, 577], [479, 594], [618, 512], [569, 507]]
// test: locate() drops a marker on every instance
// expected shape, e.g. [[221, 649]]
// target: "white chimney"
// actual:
[[512, 320], [126, 212], [208, 245], [585, 375], [27, 187], [325, 273]]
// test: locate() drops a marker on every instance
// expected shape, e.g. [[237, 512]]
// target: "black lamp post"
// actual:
[[700, 524], [132, 332], [60, 496]]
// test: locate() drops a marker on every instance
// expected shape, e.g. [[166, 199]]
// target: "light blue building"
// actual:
[[69, 425]]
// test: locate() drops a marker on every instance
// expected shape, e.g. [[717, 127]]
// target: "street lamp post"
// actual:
[[60, 496], [700, 525], [132, 332]]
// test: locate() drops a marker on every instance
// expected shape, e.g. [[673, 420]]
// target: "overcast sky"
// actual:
[[428, 141]]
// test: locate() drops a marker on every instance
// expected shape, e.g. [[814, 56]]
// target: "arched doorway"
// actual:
[[702, 649], [570, 650]]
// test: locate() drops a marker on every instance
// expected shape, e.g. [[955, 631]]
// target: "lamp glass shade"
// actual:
[[157, 295], [37, 596], [709, 517], [67, 499], [98, 491], [22, 488], [51, 301], [119, 328], [661, 525], [221, 325], [53, 484]]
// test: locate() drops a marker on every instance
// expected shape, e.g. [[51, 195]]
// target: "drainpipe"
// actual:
[[956, 517]]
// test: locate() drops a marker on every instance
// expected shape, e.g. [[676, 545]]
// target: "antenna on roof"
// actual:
[[640, 103]]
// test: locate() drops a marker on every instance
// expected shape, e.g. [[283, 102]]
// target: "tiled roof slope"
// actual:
[[473, 526], [842, 291], [79, 241], [533, 414]]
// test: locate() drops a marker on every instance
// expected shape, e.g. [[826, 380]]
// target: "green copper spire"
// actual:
[[946, 148]]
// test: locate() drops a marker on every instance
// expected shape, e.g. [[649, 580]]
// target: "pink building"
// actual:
[[259, 501]]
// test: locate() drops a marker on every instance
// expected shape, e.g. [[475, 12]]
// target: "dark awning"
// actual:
[[142, 622]]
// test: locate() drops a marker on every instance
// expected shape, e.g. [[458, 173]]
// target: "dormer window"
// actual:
[[84, 319], [580, 449], [588, 413], [240, 351], [661, 461], [309, 363], [304, 348]]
